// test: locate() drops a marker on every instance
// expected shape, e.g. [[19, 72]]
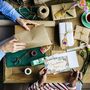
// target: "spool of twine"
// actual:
[[43, 12]]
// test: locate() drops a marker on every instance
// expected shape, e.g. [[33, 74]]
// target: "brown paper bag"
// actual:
[[36, 37]]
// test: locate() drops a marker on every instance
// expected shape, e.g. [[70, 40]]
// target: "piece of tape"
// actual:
[[27, 71]]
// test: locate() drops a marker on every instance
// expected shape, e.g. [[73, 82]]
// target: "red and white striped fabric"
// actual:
[[50, 86]]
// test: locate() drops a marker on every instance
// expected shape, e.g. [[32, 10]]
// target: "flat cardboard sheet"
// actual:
[[36, 37]]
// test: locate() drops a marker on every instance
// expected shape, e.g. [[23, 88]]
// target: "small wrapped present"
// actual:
[[66, 34], [40, 1], [82, 34], [63, 11]]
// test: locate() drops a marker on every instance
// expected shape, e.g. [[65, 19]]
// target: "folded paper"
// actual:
[[36, 37], [82, 34], [66, 34]]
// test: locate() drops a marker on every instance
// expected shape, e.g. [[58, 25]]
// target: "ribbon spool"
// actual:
[[27, 71], [43, 12]]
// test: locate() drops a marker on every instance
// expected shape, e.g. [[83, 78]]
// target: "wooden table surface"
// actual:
[[15, 75]]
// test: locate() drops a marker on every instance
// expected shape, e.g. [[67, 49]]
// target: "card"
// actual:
[[61, 62]]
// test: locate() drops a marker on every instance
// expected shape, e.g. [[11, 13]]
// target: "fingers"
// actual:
[[26, 27], [24, 23], [19, 47], [32, 22], [80, 76], [19, 44], [15, 49], [13, 40], [76, 75], [15, 45], [43, 71]]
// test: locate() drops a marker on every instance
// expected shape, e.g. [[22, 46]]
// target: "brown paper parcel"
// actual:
[[36, 37], [82, 34]]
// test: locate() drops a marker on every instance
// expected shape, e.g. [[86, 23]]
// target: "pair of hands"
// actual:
[[74, 76], [15, 45]]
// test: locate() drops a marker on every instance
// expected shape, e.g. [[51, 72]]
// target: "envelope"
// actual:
[[36, 37]]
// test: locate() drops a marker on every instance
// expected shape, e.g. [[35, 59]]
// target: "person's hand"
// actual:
[[43, 76], [74, 77], [24, 23], [44, 49], [13, 46]]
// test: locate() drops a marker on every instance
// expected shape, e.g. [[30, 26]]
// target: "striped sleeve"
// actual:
[[50, 86], [34, 86]]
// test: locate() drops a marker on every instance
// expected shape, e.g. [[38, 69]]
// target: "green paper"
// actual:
[[38, 61], [28, 13], [26, 60]]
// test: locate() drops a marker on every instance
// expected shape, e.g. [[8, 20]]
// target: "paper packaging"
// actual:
[[82, 34], [58, 11], [61, 62], [40, 1], [66, 27], [36, 37]]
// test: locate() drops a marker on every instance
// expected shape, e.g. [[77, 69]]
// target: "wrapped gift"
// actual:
[[66, 34], [40, 1], [63, 11], [82, 34]]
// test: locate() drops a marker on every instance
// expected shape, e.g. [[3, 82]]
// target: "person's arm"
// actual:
[[50, 86], [2, 54], [34, 86], [9, 11], [79, 86], [73, 83], [11, 46]]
